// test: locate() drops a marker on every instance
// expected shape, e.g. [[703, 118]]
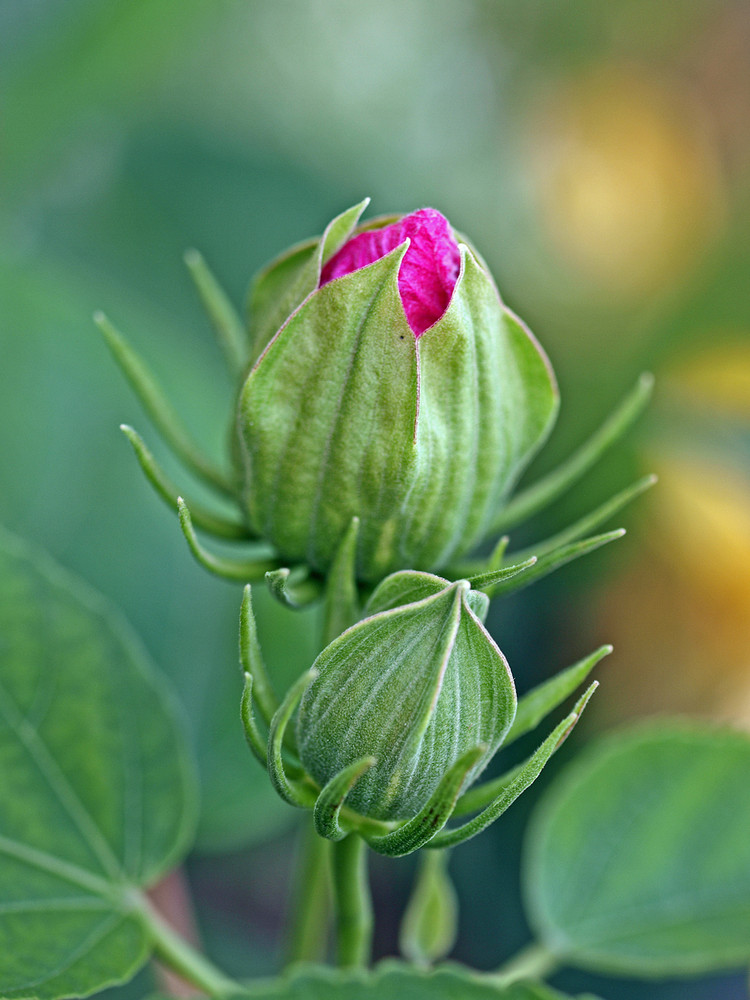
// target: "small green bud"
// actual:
[[413, 685], [390, 384]]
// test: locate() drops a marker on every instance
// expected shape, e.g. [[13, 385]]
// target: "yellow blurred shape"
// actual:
[[718, 378], [702, 526], [626, 179], [680, 617]]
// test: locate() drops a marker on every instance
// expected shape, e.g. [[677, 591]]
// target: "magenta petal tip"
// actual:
[[428, 272]]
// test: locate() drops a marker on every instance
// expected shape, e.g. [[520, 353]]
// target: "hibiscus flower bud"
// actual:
[[414, 686], [392, 384]]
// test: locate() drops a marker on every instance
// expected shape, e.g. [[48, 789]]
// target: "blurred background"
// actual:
[[597, 155]]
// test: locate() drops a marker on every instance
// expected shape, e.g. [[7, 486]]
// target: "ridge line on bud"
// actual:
[[415, 686]]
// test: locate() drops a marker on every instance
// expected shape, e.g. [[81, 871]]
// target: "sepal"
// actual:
[[518, 781], [546, 697], [219, 526], [544, 491], [294, 588], [436, 812], [287, 281], [330, 802], [357, 449], [295, 792], [228, 327], [229, 569], [163, 415]]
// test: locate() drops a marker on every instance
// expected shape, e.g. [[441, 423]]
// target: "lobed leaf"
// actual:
[[99, 794], [638, 860], [395, 981]]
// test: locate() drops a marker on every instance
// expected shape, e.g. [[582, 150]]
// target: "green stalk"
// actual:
[[175, 952], [353, 906], [311, 899], [534, 963]]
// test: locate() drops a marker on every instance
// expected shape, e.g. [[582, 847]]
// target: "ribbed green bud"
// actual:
[[414, 685], [355, 407]]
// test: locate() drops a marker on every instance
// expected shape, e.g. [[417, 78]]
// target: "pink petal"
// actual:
[[428, 272]]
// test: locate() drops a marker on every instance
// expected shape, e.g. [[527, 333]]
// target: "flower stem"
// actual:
[[171, 898], [175, 952], [353, 905], [311, 899], [533, 962]]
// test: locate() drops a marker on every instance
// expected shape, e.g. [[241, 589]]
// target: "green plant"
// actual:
[[386, 404]]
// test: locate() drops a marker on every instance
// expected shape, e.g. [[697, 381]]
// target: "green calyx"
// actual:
[[345, 417], [398, 716], [346, 413], [412, 687]]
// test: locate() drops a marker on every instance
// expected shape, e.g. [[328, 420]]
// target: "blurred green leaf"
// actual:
[[395, 981], [88, 57], [639, 858], [98, 788]]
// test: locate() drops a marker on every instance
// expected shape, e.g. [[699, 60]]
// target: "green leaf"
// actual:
[[98, 790], [191, 625], [638, 860], [395, 981]]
